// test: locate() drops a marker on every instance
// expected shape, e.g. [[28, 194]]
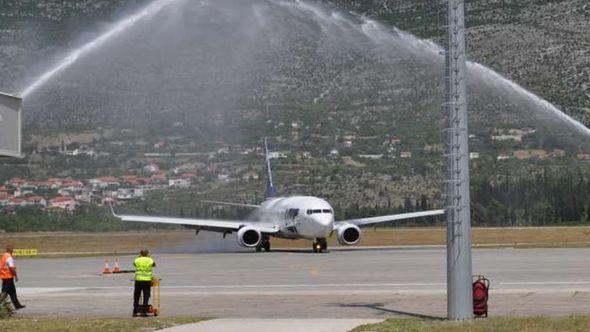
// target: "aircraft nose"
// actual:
[[325, 220]]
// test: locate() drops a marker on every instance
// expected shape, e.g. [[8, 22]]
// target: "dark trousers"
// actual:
[[8, 287], [144, 287]]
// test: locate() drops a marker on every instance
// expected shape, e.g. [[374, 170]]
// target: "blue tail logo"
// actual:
[[271, 191]]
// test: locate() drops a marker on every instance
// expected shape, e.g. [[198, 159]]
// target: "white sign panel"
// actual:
[[10, 125]]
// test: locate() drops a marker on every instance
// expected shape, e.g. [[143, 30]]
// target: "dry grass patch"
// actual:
[[112, 242], [126, 242], [516, 237]]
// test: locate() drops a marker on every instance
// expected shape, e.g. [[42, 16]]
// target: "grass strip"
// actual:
[[91, 325], [496, 324]]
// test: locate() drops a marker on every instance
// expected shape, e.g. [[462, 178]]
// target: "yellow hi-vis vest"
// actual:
[[143, 268]]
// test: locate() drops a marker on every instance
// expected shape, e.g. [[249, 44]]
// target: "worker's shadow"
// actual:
[[381, 308]]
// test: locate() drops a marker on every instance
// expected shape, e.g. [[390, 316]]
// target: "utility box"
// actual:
[[10, 125]]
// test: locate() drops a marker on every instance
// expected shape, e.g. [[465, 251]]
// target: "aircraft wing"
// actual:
[[393, 217], [205, 224], [251, 206]]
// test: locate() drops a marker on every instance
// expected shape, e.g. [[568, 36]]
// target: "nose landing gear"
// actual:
[[264, 244], [320, 245]]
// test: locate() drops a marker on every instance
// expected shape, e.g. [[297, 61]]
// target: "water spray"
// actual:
[[110, 34]]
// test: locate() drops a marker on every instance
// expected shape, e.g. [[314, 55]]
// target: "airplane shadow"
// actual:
[[381, 308], [299, 251], [188, 250]]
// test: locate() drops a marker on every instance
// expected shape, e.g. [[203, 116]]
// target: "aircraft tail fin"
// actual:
[[271, 191]]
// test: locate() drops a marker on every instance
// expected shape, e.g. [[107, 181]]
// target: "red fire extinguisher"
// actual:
[[481, 292]]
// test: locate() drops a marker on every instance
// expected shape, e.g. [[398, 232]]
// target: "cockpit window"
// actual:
[[319, 211]]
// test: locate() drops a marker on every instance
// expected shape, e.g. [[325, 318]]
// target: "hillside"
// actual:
[[352, 104], [265, 58], [541, 44]]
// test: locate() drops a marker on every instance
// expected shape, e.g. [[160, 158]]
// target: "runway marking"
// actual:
[[308, 285], [50, 289], [545, 283], [402, 286]]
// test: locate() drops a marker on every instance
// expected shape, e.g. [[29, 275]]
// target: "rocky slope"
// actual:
[[543, 45], [199, 65]]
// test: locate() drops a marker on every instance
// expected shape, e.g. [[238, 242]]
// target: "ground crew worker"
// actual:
[[9, 276], [144, 266]]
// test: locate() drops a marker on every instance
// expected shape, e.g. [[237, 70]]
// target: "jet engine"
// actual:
[[349, 234], [249, 237]]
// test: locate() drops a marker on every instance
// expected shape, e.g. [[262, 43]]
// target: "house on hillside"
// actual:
[[405, 154], [5, 190], [159, 178], [160, 144], [129, 193], [503, 156], [223, 177], [151, 168], [528, 154], [277, 155], [192, 176], [507, 137], [132, 180], [250, 175], [104, 182], [4, 198], [371, 156], [63, 203], [72, 184], [16, 182], [83, 196], [394, 140], [36, 200], [54, 183], [16, 202], [179, 183]]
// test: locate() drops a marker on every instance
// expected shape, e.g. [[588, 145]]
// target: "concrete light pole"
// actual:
[[459, 269]]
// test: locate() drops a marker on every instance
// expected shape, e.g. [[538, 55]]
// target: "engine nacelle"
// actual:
[[249, 237], [349, 234]]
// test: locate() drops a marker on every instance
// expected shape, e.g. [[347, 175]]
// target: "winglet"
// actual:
[[113, 211], [271, 191]]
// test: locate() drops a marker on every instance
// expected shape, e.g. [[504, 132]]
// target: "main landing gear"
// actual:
[[264, 244], [320, 245]]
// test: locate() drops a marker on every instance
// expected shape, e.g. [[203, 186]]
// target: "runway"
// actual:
[[300, 284]]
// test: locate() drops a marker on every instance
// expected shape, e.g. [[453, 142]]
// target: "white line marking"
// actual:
[[309, 285], [90, 288], [546, 283], [39, 290]]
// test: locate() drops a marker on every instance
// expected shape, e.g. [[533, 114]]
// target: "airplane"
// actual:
[[294, 217]]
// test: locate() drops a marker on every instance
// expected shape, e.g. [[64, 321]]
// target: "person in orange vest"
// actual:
[[9, 276]]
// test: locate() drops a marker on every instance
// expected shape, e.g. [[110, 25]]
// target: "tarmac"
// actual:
[[342, 284]]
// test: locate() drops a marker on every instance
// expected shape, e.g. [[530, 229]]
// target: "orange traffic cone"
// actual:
[[106, 270], [116, 268]]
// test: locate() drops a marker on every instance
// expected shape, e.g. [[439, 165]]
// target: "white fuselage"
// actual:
[[297, 217]]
